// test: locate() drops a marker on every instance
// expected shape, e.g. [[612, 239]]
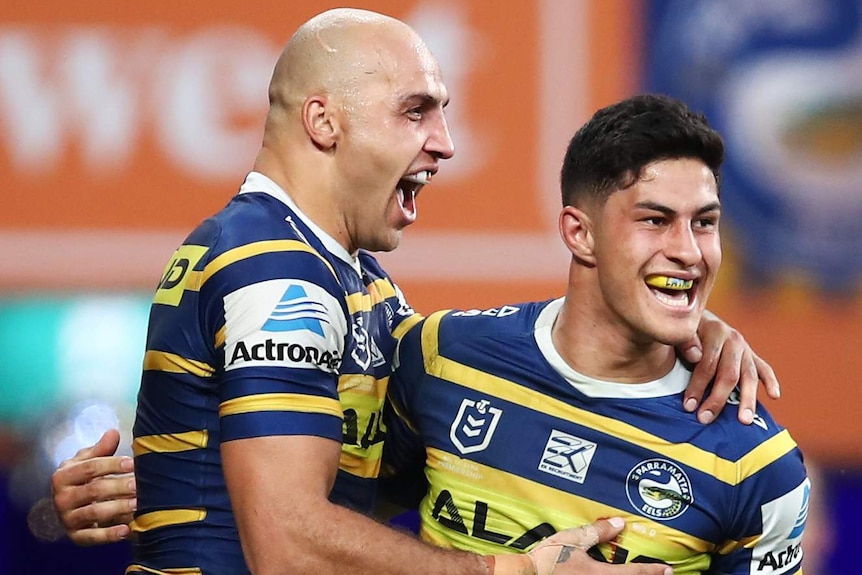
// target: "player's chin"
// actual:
[[387, 242], [676, 334]]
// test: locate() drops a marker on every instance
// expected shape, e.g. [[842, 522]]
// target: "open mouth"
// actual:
[[408, 189], [671, 291]]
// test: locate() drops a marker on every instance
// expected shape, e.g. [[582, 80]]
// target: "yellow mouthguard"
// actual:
[[666, 282]]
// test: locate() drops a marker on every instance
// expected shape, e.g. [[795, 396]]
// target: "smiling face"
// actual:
[[394, 135], [657, 250]]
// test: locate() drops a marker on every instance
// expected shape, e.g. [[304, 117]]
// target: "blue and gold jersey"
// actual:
[[261, 325], [516, 446]]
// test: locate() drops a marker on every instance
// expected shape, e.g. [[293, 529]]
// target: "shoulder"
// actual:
[[763, 454], [508, 320], [450, 332], [465, 335], [765, 434], [256, 238]]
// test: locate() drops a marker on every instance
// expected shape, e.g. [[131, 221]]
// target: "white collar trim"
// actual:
[[257, 182], [672, 383]]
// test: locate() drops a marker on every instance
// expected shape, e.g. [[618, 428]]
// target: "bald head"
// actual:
[[356, 111], [334, 51]]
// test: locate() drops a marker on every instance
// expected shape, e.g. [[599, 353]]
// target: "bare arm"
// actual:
[[279, 487], [94, 493], [721, 352]]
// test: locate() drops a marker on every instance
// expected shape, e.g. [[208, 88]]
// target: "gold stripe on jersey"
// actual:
[[405, 325], [170, 442], [280, 402], [731, 545], [365, 464], [173, 363], [383, 289], [430, 340], [134, 568], [519, 504], [378, 291], [724, 470], [765, 453], [361, 398], [357, 302], [257, 248], [363, 385], [221, 337], [158, 519]]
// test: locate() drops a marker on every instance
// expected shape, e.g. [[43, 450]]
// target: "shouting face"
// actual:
[[394, 135]]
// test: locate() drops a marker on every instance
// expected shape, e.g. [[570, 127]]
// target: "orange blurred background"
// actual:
[[127, 127]]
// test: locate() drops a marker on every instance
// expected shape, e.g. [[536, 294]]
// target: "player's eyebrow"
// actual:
[[425, 98], [668, 211]]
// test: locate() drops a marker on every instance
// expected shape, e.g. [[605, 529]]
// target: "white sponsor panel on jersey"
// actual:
[[290, 323], [780, 549]]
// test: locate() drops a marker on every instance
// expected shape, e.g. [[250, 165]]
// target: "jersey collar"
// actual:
[[257, 182]]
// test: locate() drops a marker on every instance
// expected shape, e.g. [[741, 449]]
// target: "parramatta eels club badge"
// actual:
[[659, 489]]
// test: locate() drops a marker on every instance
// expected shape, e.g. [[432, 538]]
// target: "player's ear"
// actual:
[[576, 229], [319, 122]]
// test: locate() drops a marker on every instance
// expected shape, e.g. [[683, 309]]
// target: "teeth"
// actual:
[[666, 282], [673, 301], [419, 178]]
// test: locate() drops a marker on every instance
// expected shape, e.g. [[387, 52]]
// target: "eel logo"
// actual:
[[659, 489]]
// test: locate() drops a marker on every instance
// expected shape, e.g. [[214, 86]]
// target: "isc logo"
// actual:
[[178, 273], [493, 312]]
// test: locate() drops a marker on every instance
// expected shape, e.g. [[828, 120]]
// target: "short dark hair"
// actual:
[[609, 152]]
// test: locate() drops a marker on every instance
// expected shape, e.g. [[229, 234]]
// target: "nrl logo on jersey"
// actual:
[[365, 350], [474, 425]]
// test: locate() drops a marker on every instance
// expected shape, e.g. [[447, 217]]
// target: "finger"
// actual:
[[712, 333], [101, 489], [692, 350], [701, 377], [107, 445], [76, 487], [590, 535], [747, 390], [100, 535], [767, 377], [101, 514], [85, 471], [727, 374]]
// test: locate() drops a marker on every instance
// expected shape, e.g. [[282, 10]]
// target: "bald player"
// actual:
[[270, 328], [272, 332]]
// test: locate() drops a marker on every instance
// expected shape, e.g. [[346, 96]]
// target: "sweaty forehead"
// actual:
[[406, 67]]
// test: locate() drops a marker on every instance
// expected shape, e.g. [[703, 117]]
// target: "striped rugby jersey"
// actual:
[[516, 446], [261, 325]]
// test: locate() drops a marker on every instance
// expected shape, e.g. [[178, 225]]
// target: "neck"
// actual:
[[306, 184], [606, 349]]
